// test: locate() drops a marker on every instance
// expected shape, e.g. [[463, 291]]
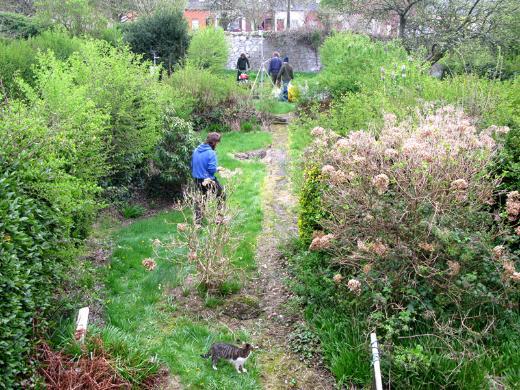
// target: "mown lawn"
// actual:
[[137, 305]]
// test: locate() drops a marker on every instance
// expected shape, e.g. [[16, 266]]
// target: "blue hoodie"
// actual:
[[274, 65], [204, 162]]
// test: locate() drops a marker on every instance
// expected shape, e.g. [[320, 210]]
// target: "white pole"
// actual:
[[375, 361], [262, 45], [81, 324]]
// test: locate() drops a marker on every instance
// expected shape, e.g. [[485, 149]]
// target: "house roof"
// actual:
[[197, 4], [311, 5]]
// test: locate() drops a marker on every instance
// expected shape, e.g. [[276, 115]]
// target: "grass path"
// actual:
[[141, 308], [279, 367], [155, 313]]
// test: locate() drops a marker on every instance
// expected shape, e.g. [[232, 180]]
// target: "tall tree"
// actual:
[[440, 25], [163, 34]]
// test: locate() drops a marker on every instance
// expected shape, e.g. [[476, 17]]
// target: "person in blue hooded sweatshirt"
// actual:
[[204, 166]]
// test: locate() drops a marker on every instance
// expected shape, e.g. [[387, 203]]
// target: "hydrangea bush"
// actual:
[[410, 224]]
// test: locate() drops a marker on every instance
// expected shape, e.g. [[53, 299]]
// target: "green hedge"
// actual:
[[19, 26], [34, 249]]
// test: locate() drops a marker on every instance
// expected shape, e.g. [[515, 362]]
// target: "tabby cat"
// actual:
[[235, 355]]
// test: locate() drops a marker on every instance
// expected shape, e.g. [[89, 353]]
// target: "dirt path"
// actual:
[[280, 368]]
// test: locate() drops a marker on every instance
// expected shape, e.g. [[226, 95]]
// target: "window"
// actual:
[[195, 24]]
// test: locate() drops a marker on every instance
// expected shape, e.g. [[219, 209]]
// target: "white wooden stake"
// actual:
[[375, 361], [81, 324]]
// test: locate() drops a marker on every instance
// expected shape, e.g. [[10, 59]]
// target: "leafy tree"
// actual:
[[148, 7], [15, 25], [440, 25], [208, 49], [164, 34], [77, 16]]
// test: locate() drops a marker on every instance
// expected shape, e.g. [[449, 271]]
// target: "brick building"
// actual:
[[198, 15]]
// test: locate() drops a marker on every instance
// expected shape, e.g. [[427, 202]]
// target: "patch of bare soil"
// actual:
[[262, 153]]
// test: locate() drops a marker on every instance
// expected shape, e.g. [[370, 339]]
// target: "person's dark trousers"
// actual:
[[284, 95], [215, 187], [274, 76]]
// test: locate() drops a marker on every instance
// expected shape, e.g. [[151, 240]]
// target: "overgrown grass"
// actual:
[[274, 106], [418, 362], [140, 307]]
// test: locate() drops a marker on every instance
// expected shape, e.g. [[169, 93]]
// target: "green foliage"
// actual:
[[19, 26], [132, 211], [18, 57], [169, 166], [165, 34], [133, 104], [361, 95], [310, 211], [205, 96], [353, 62], [76, 16], [63, 132], [208, 49], [35, 248]]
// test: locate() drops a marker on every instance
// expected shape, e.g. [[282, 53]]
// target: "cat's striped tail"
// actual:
[[206, 355]]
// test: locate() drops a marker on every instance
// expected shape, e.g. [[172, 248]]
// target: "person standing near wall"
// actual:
[[274, 67], [285, 75], [242, 65]]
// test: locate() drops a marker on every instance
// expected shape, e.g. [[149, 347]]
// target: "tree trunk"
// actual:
[[288, 15], [402, 25], [435, 54]]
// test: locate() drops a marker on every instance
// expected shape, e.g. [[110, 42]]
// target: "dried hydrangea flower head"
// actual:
[[379, 248], [337, 278], [327, 169], [453, 268], [321, 242], [426, 246], [381, 182], [513, 205], [354, 286], [499, 252], [318, 131]]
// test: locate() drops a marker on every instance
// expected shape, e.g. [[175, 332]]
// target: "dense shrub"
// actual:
[[78, 17], [169, 167], [165, 34], [352, 62], [213, 100], [33, 253], [208, 49], [19, 26], [411, 237], [47, 200], [18, 57], [63, 131], [133, 104], [310, 213]]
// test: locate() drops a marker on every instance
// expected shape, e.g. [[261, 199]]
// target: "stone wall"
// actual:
[[302, 57]]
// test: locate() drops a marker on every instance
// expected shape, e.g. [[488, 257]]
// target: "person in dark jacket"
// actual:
[[285, 75], [204, 166], [242, 65], [274, 66]]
